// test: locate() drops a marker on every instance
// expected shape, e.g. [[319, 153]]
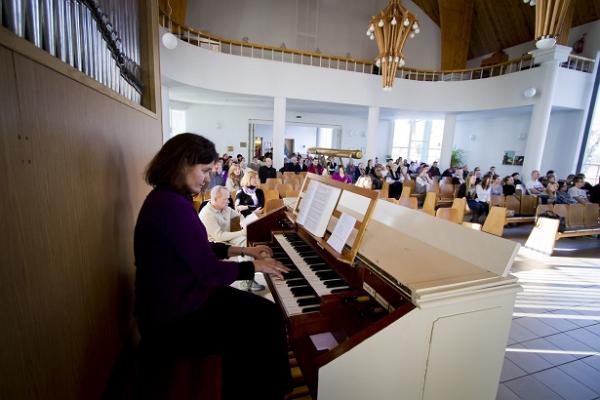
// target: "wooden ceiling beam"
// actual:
[[456, 18], [178, 7]]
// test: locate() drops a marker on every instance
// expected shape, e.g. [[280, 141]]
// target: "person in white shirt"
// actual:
[[577, 192], [423, 183], [216, 217], [484, 193], [534, 186]]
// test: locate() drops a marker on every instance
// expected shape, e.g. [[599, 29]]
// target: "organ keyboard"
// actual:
[[390, 304]]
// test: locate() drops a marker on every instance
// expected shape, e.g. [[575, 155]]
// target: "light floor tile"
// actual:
[[530, 362], [553, 358], [510, 371], [583, 373], [564, 385], [566, 342], [504, 393], [529, 388], [537, 326], [586, 337], [519, 334]]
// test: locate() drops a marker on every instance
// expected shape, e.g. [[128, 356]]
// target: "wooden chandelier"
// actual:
[[550, 19], [390, 29]]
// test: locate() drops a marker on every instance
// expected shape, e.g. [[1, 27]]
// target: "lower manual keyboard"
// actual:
[[309, 278]]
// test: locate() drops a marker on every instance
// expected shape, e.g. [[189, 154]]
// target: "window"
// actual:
[[418, 140], [325, 138], [591, 154], [177, 122]]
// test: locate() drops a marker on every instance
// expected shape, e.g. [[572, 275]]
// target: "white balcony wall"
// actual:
[[223, 72]]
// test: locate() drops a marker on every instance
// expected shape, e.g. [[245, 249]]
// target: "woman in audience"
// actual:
[[562, 195], [404, 175], [234, 178], [369, 168], [184, 303], [378, 177], [315, 167], [365, 181], [484, 190], [250, 199], [423, 182], [351, 170], [496, 188], [340, 175], [549, 195], [508, 186], [468, 191], [331, 166], [393, 179]]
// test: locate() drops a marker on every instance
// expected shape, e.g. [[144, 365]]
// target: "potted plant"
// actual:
[[457, 157]]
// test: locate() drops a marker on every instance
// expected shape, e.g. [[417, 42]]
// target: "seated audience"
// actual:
[[292, 166], [364, 181], [549, 195], [217, 175], [340, 175], [217, 216], [393, 179], [508, 186], [250, 199], [267, 171], [496, 188], [315, 167], [483, 191], [516, 179], [576, 191], [434, 170], [586, 185], [351, 170], [423, 182], [369, 167], [458, 176], [468, 190], [534, 186], [234, 176], [562, 195], [404, 175], [378, 177], [331, 166]]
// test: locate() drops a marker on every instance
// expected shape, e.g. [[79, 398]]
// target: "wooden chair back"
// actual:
[[512, 203], [560, 210], [430, 203], [410, 202], [385, 189], [271, 194], [292, 193], [494, 223], [412, 184], [273, 182], [233, 194], [283, 188], [273, 204], [591, 216], [575, 217], [542, 208], [446, 191], [460, 205], [406, 190], [449, 214], [497, 201], [197, 200], [528, 204], [289, 174]]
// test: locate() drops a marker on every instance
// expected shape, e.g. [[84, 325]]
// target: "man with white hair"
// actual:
[[216, 217]]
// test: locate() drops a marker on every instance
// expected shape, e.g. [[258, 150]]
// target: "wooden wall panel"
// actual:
[[67, 222], [455, 20]]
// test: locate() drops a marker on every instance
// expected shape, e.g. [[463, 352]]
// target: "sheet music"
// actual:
[[306, 202], [341, 232], [248, 219], [320, 209]]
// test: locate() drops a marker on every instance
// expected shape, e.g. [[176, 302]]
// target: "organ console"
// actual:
[[403, 311]]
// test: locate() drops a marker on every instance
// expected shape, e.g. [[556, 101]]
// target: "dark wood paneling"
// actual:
[[498, 24], [456, 17], [72, 162]]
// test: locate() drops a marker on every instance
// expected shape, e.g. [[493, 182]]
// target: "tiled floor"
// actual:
[[553, 350]]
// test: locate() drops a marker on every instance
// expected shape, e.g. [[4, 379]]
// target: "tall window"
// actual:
[[418, 140], [177, 122], [591, 155], [325, 137]]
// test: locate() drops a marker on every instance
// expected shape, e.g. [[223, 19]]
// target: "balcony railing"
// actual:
[[280, 54]]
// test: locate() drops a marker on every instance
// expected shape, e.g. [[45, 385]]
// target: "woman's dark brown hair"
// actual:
[[167, 168]]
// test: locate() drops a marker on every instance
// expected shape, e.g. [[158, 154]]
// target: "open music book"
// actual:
[[317, 207]]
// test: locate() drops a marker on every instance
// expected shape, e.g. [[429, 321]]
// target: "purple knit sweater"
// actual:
[[176, 266]]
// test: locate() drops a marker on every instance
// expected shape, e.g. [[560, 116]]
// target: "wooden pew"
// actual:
[[580, 220], [495, 221]]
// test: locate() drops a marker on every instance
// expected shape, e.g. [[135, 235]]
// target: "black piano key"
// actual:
[[292, 275], [340, 290], [335, 283], [311, 309], [297, 282], [303, 291], [312, 260], [308, 301], [320, 267], [327, 275]]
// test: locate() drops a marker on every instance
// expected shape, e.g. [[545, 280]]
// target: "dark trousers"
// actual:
[[245, 330], [479, 210]]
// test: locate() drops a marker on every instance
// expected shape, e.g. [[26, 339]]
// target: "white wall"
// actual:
[[228, 126], [334, 26], [492, 136], [561, 143], [591, 47], [235, 74]]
